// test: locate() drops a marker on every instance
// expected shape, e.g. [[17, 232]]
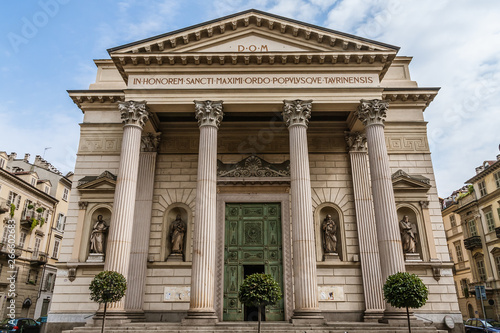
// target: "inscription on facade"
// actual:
[[235, 81]]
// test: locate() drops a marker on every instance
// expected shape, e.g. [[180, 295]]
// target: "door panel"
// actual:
[[252, 238]]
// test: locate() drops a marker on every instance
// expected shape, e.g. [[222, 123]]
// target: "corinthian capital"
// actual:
[[297, 112], [134, 113], [208, 113], [372, 112], [150, 142], [356, 142]]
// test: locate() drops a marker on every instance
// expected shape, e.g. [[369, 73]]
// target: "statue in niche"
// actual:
[[407, 235], [98, 236], [177, 233], [329, 234]]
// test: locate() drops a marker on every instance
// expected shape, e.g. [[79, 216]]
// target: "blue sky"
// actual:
[[48, 46]]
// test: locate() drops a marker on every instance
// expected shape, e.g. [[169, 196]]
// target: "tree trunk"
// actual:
[[104, 317], [258, 316], [408, 316]]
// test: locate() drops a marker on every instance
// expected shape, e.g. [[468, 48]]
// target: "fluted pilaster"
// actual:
[[142, 223], [134, 115], [296, 115], [367, 231], [372, 113], [209, 115]]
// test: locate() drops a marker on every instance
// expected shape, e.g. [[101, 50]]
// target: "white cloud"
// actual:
[[455, 46]]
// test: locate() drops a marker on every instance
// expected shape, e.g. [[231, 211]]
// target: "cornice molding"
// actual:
[[85, 97]]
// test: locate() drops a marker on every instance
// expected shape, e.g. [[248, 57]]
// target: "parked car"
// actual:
[[19, 325], [473, 325], [42, 320]]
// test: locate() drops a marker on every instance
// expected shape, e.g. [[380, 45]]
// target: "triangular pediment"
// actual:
[[401, 181], [104, 182], [252, 41], [242, 27]]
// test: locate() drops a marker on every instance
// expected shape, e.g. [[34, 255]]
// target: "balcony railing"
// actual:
[[4, 206], [39, 259], [473, 242], [497, 231], [467, 199]]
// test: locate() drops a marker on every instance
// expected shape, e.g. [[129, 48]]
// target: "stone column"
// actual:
[[367, 231], [134, 115], [296, 115], [201, 307], [372, 113], [142, 224]]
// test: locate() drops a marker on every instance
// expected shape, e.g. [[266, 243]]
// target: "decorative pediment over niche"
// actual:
[[105, 181], [401, 181], [495, 251], [253, 166]]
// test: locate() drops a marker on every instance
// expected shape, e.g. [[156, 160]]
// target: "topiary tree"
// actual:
[[259, 290], [107, 287], [405, 290]]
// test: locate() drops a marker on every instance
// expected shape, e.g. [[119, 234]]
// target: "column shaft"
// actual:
[[296, 115], [367, 235], [120, 230], [202, 290], [141, 229], [209, 115], [388, 233]]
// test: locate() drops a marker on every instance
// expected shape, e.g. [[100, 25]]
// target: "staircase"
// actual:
[[251, 327]]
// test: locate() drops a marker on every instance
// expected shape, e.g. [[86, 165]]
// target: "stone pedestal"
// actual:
[[175, 257], [367, 235], [201, 306], [412, 257], [296, 115], [134, 115], [95, 257], [331, 257]]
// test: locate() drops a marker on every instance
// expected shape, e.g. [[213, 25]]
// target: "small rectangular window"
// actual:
[[480, 269], [33, 181], [65, 194], [497, 179], [490, 222], [2, 163], [56, 248], [472, 227], [60, 222], [22, 239], [453, 222], [36, 248], [458, 251], [482, 188]]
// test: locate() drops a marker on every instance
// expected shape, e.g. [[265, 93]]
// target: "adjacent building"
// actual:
[[253, 143], [472, 223], [35, 196]]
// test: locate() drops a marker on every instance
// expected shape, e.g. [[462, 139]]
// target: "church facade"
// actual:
[[249, 144]]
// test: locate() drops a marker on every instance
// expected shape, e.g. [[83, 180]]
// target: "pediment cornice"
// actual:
[[401, 181], [206, 44]]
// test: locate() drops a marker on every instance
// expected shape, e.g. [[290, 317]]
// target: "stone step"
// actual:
[[337, 327]]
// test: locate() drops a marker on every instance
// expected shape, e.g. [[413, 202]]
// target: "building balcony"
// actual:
[[467, 199], [473, 242], [39, 259], [497, 231], [4, 207]]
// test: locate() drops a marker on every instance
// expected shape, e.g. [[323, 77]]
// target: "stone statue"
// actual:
[[98, 236], [329, 235], [407, 235], [177, 233]]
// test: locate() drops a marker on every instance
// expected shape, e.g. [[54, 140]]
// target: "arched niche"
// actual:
[[415, 217], [169, 217], [319, 216], [89, 221]]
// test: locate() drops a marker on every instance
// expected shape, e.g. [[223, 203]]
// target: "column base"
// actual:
[[199, 318], [399, 319], [374, 316], [302, 317]]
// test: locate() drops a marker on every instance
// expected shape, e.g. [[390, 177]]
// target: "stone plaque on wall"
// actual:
[[331, 294], [176, 294]]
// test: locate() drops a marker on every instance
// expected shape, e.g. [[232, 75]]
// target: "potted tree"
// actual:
[[259, 290], [107, 287], [405, 290]]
